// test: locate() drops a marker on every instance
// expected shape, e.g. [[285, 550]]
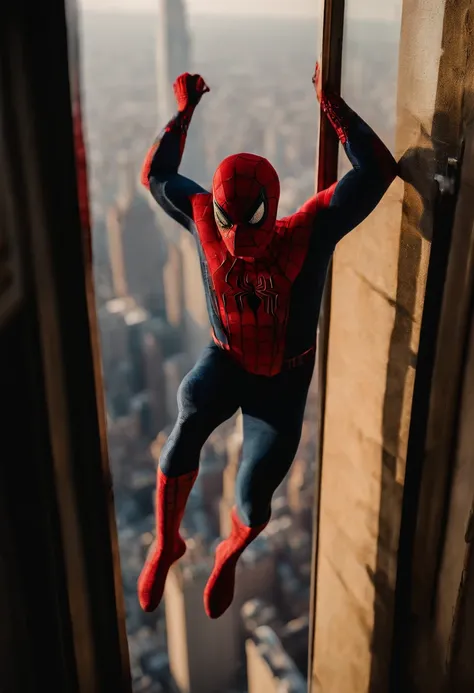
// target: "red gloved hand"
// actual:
[[188, 90], [317, 81]]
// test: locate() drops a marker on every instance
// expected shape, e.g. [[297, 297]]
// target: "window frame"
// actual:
[[66, 391], [327, 159]]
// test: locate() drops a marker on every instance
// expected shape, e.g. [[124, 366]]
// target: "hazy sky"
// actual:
[[376, 9], [302, 7]]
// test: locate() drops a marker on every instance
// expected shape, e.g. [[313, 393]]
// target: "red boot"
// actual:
[[171, 497], [219, 591]]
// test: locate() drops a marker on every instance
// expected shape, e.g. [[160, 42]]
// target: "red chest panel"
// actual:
[[254, 297]]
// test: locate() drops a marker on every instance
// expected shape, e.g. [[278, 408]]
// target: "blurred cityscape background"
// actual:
[[153, 319]]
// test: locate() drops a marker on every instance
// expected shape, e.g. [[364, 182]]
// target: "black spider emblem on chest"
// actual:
[[261, 291]]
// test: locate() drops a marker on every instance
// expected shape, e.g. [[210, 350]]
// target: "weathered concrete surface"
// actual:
[[443, 638], [451, 625], [377, 302]]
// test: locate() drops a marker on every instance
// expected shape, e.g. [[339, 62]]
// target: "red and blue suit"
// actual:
[[264, 279]]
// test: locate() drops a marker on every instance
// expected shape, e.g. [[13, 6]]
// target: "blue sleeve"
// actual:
[[173, 192], [373, 170], [160, 171]]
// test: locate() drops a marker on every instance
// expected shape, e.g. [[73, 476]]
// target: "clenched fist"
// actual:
[[188, 90], [317, 81]]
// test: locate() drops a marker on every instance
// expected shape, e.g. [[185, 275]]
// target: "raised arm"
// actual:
[[348, 202], [160, 168]]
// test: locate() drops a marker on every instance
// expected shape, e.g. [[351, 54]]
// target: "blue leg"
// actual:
[[208, 396], [273, 419]]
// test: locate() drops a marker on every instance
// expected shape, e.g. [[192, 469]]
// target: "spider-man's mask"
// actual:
[[246, 190]]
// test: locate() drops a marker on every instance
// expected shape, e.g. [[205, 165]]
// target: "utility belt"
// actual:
[[299, 360], [288, 364]]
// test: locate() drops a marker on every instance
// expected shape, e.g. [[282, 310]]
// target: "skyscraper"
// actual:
[[173, 286], [173, 52], [269, 667], [234, 449], [137, 248], [174, 57], [203, 653]]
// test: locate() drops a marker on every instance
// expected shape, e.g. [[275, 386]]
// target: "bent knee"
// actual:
[[194, 394], [187, 395], [194, 422]]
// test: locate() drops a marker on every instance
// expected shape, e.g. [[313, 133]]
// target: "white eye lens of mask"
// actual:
[[258, 216], [220, 219]]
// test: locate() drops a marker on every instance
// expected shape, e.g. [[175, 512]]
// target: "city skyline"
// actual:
[[241, 7], [152, 331], [148, 281], [369, 10]]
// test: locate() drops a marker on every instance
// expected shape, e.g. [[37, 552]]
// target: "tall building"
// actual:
[[117, 264], [269, 667], [155, 381], [196, 320], [173, 52], [391, 601], [132, 360], [174, 57], [174, 286], [255, 576], [274, 145], [175, 368], [137, 248], [203, 653], [113, 329], [300, 492], [296, 485], [234, 449]]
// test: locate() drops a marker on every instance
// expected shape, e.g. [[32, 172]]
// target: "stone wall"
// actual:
[[376, 310]]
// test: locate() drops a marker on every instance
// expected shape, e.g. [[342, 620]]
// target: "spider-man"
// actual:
[[264, 280]]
